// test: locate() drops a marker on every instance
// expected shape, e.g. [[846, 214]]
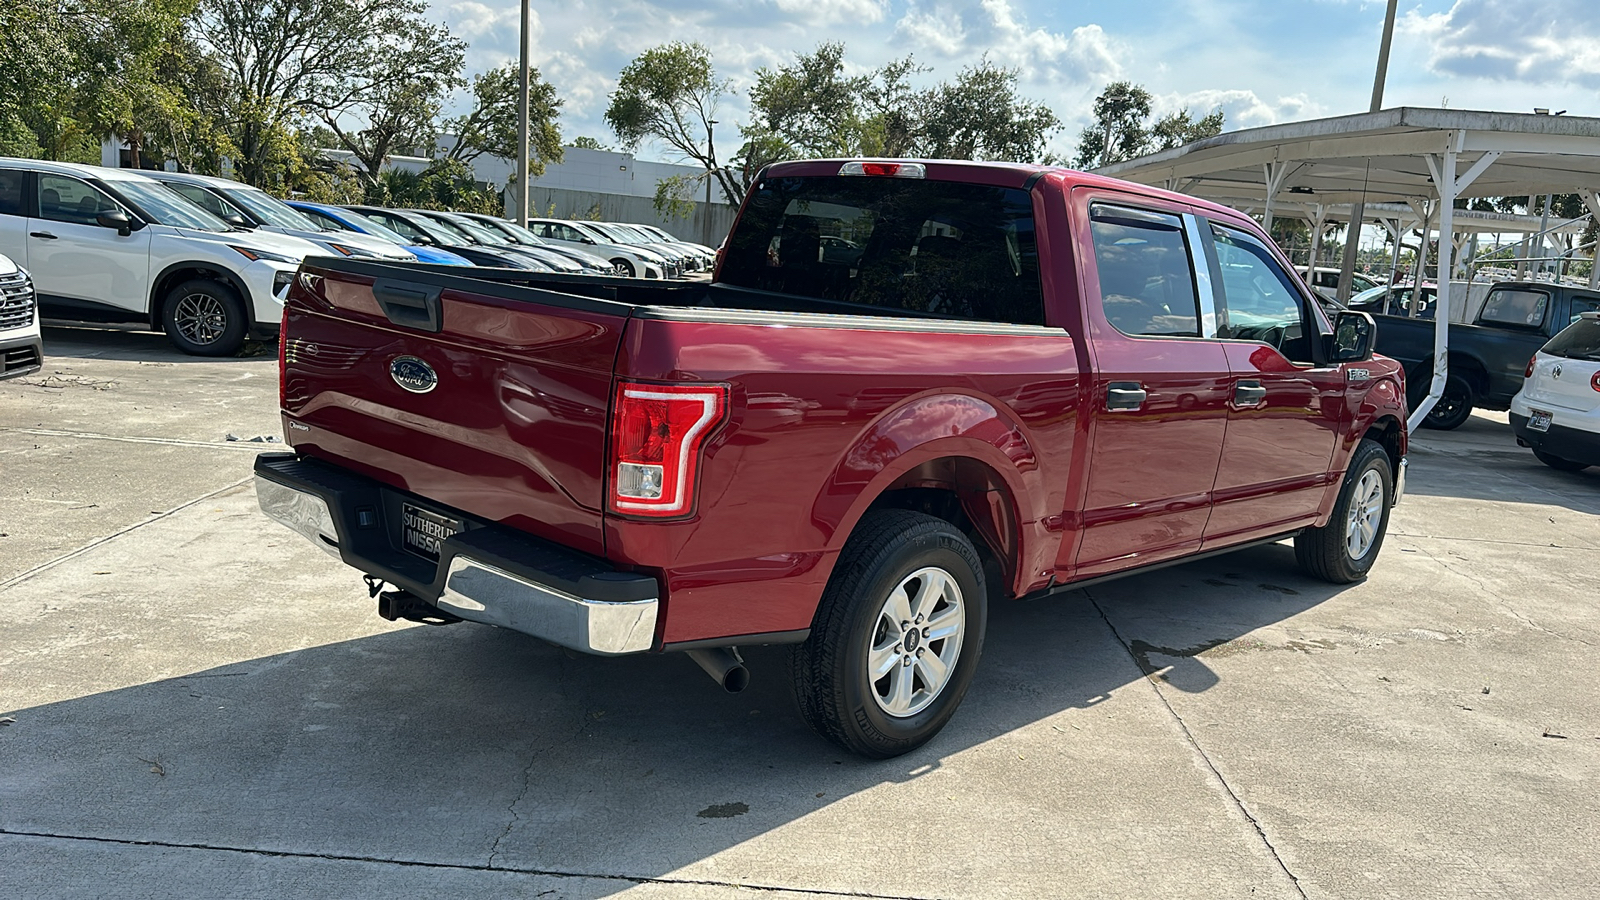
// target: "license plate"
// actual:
[[422, 532], [1539, 420]]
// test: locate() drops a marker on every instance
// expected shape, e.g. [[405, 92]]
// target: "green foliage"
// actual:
[[490, 126], [670, 94], [981, 116], [674, 195], [1121, 131], [584, 142], [446, 184]]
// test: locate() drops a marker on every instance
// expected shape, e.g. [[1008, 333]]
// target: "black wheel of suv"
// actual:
[[896, 638], [205, 318], [624, 267], [1559, 464], [1343, 551], [1454, 406]]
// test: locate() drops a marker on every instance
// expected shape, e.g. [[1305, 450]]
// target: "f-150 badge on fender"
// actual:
[[413, 374]]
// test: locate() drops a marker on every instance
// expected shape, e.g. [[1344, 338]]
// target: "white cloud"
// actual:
[[939, 32], [473, 21], [1551, 42], [860, 12], [1240, 108], [1086, 54]]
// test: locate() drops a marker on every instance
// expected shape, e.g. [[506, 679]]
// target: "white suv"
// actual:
[[110, 245], [21, 350]]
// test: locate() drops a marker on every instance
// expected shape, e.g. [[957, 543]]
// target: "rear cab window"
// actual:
[[1517, 307], [889, 246], [1580, 340]]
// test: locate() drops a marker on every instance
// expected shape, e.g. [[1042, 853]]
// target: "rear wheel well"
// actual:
[[182, 272], [971, 496]]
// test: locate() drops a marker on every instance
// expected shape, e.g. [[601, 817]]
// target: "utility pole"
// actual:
[[711, 147], [522, 126], [1358, 211]]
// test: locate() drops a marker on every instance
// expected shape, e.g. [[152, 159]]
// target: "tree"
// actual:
[[397, 115], [288, 60], [490, 126], [584, 142], [670, 94], [1120, 132], [980, 116], [809, 108]]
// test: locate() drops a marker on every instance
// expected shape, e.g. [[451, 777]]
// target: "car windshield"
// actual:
[[517, 232], [480, 233], [442, 232], [164, 205], [270, 209], [1580, 340], [377, 229], [588, 229]]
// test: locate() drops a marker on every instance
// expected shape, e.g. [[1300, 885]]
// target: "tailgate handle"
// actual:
[[409, 304]]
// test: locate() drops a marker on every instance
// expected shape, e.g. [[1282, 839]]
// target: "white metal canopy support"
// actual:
[[1318, 219], [1449, 187], [1591, 199], [1277, 173]]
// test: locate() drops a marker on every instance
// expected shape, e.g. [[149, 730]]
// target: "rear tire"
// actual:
[[1559, 464], [625, 267], [869, 678], [1453, 408], [205, 318], [1343, 551]]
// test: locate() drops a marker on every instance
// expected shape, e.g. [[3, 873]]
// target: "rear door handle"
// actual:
[[1248, 393], [42, 234], [1125, 395]]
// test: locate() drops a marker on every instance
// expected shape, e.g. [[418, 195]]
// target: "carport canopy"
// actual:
[[1406, 155]]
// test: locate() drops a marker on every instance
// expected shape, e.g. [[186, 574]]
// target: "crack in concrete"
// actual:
[[465, 867], [128, 439], [1194, 744], [1446, 537], [1501, 600], [18, 579], [527, 773]]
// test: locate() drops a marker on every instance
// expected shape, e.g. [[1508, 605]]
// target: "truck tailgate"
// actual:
[[488, 398]]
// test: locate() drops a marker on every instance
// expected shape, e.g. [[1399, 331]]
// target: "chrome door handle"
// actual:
[[1249, 393], [1125, 395], [42, 234]]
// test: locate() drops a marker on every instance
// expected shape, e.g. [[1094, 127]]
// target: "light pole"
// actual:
[[1358, 210], [522, 127], [711, 155]]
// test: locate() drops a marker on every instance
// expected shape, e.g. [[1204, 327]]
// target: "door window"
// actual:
[[1581, 305], [1146, 282], [11, 192], [63, 199], [1259, 302], [204, 199]]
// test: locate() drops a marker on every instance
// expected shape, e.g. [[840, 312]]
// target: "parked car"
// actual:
[[708, 255], [337, 218], [678, 258], [592, 264], [1325, 281], [21, 348], [848, 459], [1557, 412], [635, 262], [424, 231], [1396, 301], [484, 236], [251, 207], [1489, 356], [110, 245]]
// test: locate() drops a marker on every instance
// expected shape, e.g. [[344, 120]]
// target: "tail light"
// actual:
[[885, 169], [657, 431], [1532, 361]]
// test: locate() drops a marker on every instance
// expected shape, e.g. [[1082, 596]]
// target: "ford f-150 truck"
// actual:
[[911, 388]]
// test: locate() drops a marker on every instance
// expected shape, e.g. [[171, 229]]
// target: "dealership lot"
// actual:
[[205, 705]]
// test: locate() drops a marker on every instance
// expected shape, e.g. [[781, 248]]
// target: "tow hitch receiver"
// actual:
[[398, 604]]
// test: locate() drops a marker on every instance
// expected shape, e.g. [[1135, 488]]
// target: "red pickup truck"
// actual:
[[910, 389]]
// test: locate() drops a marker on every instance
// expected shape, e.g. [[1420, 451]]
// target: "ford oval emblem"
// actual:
[[413, 374]]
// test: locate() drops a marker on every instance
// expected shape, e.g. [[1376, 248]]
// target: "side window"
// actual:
[[204, 199], [406, 229], [1581, 305], [540, 229], [1521, 308], [324, 220], [1259, 302], [1146, 282], [568, 233], [11, 192], [63, 199]]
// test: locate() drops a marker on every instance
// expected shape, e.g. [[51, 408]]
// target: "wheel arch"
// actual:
[[178, 273]]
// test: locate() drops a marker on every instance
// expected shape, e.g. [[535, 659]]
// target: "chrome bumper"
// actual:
[[480, 591], [1399, 482]]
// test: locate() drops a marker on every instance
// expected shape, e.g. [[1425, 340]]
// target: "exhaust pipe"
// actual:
[[725, 667]]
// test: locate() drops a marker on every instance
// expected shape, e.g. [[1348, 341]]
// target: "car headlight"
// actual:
[[267, 255], [348, 250]]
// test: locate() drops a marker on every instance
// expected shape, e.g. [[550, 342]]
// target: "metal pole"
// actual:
[[1352, 238], [1544, 228], [1383, 58], [522, 126], [1441, 314]]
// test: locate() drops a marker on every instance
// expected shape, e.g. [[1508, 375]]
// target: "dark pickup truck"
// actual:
[[1489, 357], [910, 388]]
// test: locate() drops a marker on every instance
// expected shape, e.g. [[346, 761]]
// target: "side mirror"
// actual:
[[1354, 333], [588, 240], [119, 220], [238, 221]]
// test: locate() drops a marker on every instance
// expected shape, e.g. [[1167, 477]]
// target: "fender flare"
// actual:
[[159, 286]]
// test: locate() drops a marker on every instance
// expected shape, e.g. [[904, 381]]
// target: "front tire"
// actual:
[[1343, 551], [205, 318], [896, 638], [1558, 463], [624, 267]]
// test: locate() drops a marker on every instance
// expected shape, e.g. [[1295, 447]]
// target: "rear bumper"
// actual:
[[1568, 443], [487, 573]]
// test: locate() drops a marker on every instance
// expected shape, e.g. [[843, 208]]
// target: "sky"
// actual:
[[1261, 61]]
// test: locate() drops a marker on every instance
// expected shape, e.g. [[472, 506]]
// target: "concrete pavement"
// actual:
[[205, 705]]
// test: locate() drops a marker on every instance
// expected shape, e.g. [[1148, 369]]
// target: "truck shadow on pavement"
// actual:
[[478, 748]]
